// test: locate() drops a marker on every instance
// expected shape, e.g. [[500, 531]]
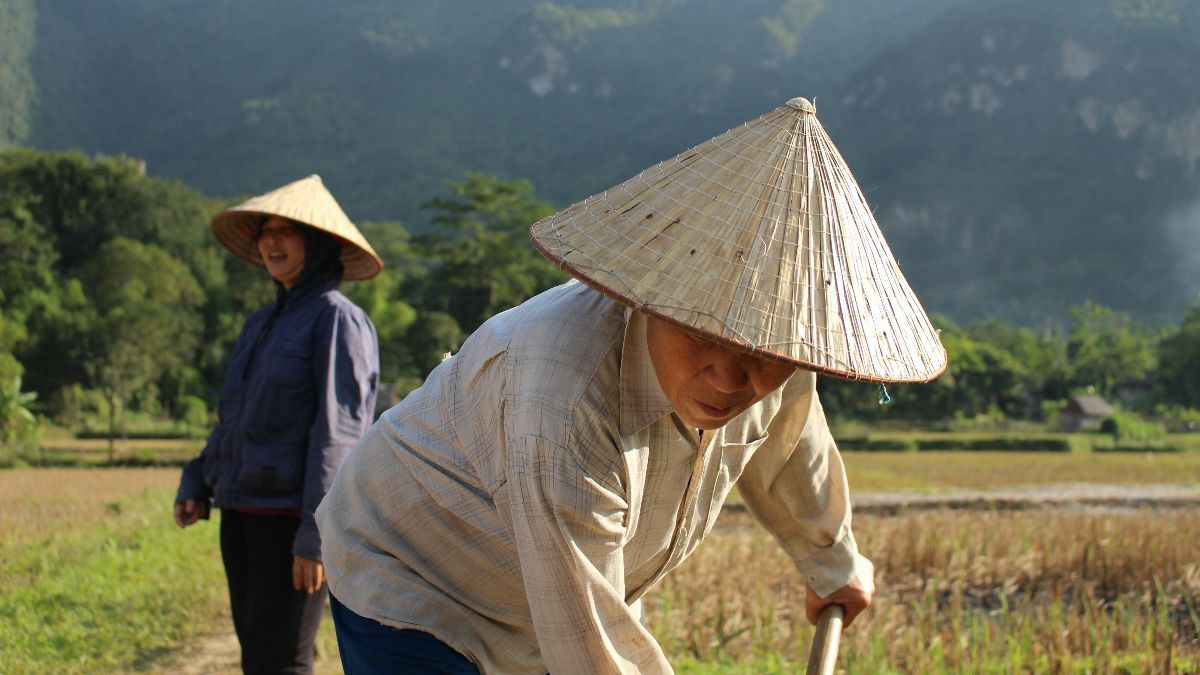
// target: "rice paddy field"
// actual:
[[95, 578]]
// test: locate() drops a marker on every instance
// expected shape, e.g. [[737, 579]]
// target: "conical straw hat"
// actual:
[[304, 201], [760, 238]]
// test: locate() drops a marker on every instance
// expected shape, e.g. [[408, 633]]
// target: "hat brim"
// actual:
[[306, 201], [237, 231]]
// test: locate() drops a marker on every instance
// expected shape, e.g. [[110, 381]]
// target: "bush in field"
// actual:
[[74, 405], [991, 420], [19, 428], [1178, 418], [193, 412], [1126, 426]]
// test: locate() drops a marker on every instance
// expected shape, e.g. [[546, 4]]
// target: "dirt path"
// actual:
[[217, 651], [1059, 495]]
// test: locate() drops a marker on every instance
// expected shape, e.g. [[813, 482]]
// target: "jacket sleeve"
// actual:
[[346, 373], [795, 485], [569, 529], [191, 483]]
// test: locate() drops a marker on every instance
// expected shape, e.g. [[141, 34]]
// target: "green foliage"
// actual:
[[111, 284], [1127, 427], [570, 25], [1179, 361], [383, 300], [1177, 418], [1107, 348], [992, 444], [19, 91], [74, 405], [484, 261], [869, 444], [18, 425], [147, 317]]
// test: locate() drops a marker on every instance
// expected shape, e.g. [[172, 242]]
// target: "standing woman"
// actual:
[[299, 392]]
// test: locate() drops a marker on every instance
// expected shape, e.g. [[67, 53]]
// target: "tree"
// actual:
[[484, 261], [1179, 361], [1041, 357], [382, 300], [146, 317], [1107, 349], [17, 422], [57, 210]]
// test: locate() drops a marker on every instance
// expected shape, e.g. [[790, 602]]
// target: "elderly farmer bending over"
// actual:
[[506, 514]]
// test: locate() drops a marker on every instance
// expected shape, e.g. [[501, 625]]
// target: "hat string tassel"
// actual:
[[884, 398]]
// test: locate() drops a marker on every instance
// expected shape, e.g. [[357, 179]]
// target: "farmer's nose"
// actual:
[[727, 374]]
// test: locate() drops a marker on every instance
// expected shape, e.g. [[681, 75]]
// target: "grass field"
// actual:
[[95, 578], [939, 471]]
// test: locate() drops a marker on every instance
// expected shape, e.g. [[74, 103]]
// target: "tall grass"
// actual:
[[1052, 591]]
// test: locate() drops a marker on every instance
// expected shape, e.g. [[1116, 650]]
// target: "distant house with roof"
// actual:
[[1084, 412]]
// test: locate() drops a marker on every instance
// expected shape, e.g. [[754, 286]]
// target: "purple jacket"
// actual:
[[297, 397]]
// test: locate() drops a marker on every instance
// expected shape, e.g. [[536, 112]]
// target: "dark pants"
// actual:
[[368, 647], [276, 624]]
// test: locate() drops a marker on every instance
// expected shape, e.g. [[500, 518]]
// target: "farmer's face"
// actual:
[[709, 383], [281, 245]]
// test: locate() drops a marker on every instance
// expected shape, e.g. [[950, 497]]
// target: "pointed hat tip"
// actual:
[[803, 105]]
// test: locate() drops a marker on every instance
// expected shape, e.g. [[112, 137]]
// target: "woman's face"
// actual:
[[281, 245], [709, 383]]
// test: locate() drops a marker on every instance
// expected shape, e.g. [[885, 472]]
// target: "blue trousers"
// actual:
[[368, 647]]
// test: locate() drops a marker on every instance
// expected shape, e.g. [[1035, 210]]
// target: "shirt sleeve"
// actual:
[[569, 528], [191, 483], [346, 372], [795, 485]]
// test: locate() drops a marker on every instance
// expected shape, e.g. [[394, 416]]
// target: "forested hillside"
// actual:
[[1022, 156]]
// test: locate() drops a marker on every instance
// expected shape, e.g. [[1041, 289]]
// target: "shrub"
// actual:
[[1178, 418], [1001, 443], [868, 444], [1126, 426], [1137, 448], [193, 412]]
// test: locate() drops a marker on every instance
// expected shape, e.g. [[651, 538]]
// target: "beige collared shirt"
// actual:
[[539, 483]]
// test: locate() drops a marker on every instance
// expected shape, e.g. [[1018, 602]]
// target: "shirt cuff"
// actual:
[[834, 567]]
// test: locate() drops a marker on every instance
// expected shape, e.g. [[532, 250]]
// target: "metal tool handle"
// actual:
[[823, 658]]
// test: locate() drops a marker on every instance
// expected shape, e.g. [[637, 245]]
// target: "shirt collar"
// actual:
[[642, 398]]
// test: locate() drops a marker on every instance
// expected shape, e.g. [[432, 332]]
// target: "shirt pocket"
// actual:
[[272, 460], [734, 458], [290, 364], [286, 395]]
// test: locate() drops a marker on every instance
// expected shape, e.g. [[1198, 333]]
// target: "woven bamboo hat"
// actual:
[[762, 239], [305, 201]]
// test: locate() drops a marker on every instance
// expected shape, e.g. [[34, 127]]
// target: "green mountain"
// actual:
[[1022, 156]]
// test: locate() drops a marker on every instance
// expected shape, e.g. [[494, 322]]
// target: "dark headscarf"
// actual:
[[322, 265]]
